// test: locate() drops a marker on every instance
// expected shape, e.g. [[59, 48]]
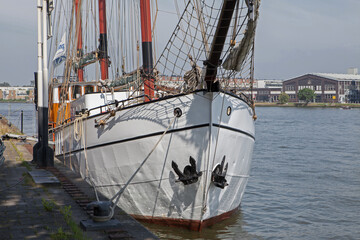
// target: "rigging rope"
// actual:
[[192, 35]]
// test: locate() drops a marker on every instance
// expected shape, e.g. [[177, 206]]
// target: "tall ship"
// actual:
[[159, 118]]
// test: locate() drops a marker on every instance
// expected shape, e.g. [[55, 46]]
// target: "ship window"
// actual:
[[89, 89], [76, 92]]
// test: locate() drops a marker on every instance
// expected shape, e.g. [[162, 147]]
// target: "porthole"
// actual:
[[177, 112], [228, 111]]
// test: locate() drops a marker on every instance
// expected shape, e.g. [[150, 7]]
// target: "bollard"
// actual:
[[22, 121]]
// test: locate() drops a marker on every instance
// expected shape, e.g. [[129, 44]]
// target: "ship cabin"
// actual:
[[67, 95], [78, 97]]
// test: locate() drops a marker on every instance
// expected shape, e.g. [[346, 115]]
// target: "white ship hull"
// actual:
[[212, 125]]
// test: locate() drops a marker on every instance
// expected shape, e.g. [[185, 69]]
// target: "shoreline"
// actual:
[[310, 105]]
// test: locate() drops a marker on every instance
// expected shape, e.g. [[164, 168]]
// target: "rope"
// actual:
[[78, 126], [193, 35], [104, 85]]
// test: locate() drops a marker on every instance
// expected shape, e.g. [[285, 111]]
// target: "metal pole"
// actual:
[[9, 110], [22, 121], [43, 154], [39, 86], [47, 152]]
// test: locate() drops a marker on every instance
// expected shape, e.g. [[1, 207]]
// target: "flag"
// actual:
[[60, 52]]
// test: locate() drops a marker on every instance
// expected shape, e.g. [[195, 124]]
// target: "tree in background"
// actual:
[[306, 95], [284, 98]]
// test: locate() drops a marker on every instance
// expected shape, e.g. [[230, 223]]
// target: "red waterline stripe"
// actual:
[[194, 225]]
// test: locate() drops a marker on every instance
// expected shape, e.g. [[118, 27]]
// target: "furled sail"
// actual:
[[235, 59]]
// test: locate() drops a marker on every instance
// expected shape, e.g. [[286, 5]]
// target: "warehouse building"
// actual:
[[328, 87], [267, 90]]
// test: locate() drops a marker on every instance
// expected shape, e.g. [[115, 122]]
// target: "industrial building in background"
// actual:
[[328, 87]]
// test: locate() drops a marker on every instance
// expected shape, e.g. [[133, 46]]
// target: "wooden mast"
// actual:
[[147, 49], [103, 55], [79, 52], [217, 46]]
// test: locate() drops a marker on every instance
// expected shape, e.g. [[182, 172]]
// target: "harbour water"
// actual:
[[305, 177], [12, 111]]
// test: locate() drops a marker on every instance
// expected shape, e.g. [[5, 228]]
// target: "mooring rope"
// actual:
[[78, 126]]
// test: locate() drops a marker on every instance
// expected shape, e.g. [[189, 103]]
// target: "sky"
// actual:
[[294, 37]]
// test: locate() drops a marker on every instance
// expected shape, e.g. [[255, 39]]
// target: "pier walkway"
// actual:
[[52, 211]]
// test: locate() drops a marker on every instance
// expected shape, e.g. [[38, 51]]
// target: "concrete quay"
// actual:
[[50, 211]]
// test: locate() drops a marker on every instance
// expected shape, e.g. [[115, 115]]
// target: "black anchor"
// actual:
[[219, 173], [189, 175]]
